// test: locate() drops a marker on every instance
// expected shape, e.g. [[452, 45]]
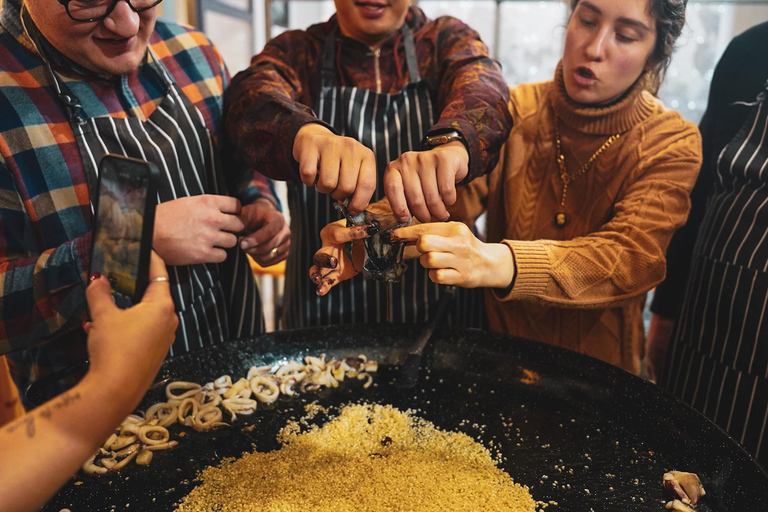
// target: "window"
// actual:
[[232, 26], [526, 37]]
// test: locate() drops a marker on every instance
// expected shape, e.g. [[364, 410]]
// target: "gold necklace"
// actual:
[[561, 218]]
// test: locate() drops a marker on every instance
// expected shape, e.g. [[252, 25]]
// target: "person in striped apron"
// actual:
[[85, 78], [344, 109], [717, 359]]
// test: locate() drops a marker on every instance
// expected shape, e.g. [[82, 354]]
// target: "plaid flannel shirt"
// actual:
[[45, 215]]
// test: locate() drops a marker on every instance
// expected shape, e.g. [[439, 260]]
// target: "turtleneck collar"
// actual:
[[634, 107]]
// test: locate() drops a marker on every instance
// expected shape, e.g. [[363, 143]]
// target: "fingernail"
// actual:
[[94, 277], [244, 245], [392, 237], [316, 278], [324, 260]]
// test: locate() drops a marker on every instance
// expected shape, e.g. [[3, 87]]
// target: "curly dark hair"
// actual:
[[670, 19]]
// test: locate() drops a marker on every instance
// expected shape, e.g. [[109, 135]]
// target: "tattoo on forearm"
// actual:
[[27, 421], [45, 411], [67, 400]]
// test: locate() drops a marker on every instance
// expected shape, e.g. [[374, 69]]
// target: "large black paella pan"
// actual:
[[576, 431]]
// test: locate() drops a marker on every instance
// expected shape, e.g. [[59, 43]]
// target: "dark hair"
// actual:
[[670, 19]]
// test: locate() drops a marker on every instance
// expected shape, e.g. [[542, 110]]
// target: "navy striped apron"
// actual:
[[718, 358], [214, 302], [388, 124]]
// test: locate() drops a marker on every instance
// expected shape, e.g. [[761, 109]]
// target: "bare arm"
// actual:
[[44, 448]]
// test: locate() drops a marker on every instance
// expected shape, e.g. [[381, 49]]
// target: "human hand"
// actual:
[[424, 182], [456, 256], [196, 229], [332, 264], [339, 166], [656, 341], [127, 347], [267, 236]]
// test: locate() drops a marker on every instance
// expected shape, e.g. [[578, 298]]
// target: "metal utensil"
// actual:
[[383, 257], [409, 372], [49, 386]]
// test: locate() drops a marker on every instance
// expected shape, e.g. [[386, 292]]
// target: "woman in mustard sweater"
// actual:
[[594, 179]]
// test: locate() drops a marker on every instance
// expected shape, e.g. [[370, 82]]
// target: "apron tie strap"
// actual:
[[410, 54], [328, 69]]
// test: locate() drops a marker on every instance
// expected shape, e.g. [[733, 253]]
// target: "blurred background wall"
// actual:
[[525, 36]]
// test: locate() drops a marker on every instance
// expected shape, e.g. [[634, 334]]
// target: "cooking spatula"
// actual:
[[409, 372]]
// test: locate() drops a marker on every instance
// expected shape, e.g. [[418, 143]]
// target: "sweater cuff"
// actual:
[[533, 270]]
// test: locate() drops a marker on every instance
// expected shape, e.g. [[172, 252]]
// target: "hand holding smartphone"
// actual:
[[121, 247], [123, 227]]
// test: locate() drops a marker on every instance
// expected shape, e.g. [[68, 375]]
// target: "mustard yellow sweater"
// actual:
[[583, 286]]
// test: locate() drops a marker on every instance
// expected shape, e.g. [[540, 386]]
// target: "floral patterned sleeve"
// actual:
[[268, 103], [473, 96]]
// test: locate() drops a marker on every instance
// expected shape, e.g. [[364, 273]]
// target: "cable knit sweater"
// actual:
[[583, 286]]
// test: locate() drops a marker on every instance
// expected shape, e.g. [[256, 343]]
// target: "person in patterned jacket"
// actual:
[[343, 110], [79, 79]]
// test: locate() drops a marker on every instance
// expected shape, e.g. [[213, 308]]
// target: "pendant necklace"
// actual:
[[561, 218]]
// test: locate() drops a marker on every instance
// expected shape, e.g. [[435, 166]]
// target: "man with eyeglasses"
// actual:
[[82, 78]]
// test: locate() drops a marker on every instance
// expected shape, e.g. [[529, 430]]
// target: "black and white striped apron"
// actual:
[[214, 302], [718, 358], [388, 124]]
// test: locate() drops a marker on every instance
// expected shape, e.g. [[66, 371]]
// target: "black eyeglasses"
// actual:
[[97, 10]]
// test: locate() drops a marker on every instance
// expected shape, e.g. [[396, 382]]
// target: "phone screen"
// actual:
[[118, 255]]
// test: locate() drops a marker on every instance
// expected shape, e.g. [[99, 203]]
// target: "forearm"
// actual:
[[43, 449], [266, 106], [473, 97], [582, 273], [620, 260], [498, 267]]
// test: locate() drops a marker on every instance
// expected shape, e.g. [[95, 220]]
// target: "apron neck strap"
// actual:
[[70, 101], [410, 54], [328, 69]]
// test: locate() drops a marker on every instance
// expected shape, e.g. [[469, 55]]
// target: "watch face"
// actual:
[[445, 138]]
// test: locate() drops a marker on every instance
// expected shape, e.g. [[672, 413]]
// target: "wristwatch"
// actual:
[[430, 141]]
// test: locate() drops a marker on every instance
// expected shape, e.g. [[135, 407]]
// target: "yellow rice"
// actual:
[[369, 458]]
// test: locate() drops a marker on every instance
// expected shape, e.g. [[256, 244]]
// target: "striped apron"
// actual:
[[718, 358], [214, 302], [388, 124]]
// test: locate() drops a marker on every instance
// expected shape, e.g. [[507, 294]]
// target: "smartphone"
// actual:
[[122, 233]]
